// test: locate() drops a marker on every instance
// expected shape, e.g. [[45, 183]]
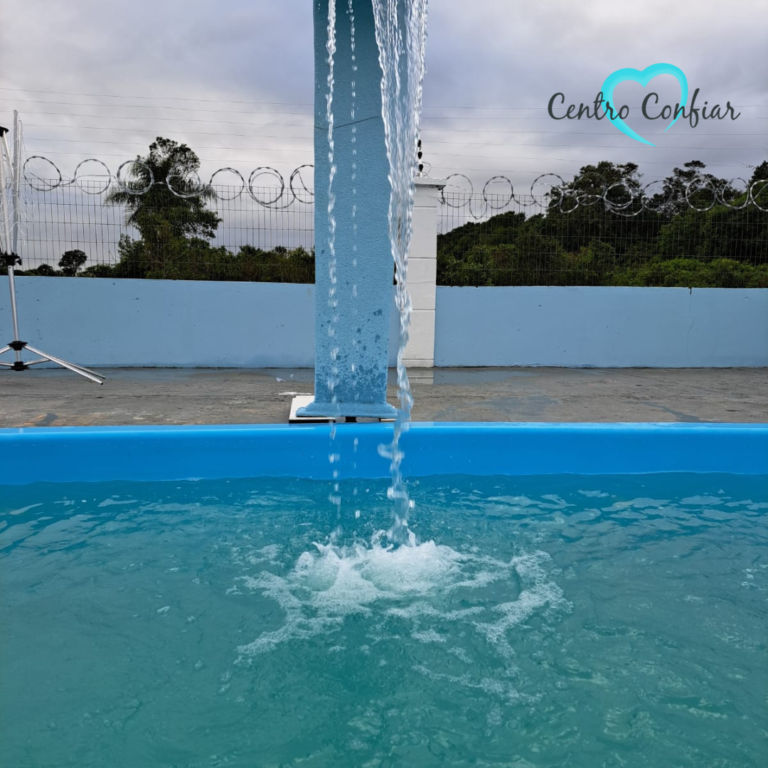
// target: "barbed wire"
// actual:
[[618, 197], [183, 185]]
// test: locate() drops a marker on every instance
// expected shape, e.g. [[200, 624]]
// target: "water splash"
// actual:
[[432, 588], [401, 29]]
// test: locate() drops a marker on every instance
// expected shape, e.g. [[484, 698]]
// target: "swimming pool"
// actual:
[[159, 612]]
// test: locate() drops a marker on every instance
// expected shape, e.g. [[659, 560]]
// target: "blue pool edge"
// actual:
[[155, 453]]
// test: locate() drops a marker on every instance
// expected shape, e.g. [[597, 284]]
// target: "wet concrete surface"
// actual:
[[48, 397]]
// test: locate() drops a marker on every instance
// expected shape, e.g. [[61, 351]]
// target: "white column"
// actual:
[[422, 273]]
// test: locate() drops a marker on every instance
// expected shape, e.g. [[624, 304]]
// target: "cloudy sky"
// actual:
[[234, 80]]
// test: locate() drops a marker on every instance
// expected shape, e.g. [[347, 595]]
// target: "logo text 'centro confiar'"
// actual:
[[604, 106]]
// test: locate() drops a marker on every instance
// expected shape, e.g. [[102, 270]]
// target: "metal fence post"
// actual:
[[16, 180]]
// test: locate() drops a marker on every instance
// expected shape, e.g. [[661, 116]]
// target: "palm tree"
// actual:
[[163, 193], [166, 202]]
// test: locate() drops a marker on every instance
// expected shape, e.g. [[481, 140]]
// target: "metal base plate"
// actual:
[[302, 401]]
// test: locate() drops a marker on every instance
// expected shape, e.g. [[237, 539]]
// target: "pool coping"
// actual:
[[154, 453]]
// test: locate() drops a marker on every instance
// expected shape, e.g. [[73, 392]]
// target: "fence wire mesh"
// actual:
[[569, 235], [624, 240], [226, 236]]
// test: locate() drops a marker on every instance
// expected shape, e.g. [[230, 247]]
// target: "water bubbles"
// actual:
[[430, 588]]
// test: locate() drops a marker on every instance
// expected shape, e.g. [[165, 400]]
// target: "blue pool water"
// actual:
[[590, 622]]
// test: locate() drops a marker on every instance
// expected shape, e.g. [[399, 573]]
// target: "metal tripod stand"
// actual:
[[8, 244]]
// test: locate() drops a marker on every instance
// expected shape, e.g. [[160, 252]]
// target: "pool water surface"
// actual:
[[556, 621]]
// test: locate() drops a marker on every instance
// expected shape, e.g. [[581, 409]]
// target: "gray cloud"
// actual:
[[491, 53]]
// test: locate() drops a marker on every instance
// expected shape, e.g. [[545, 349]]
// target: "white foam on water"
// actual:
[[701, 501], [115, 502], [412, 584], [22, 510], [538, 594], [501, 689], [269, 554], [331, 583], [595, 494]]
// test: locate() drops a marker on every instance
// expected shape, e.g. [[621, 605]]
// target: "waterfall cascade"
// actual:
[[369, 71], [401, 28]]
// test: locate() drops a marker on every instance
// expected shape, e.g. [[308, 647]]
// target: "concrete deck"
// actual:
[[48, 397]]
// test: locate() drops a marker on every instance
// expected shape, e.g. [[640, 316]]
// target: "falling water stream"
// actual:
[[401, 37], [333, 299], [353, 180]]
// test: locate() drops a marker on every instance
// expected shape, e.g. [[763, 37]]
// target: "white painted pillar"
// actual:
[[422, 273]]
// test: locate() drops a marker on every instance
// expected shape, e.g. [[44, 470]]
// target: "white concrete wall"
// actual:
[[422, 274], [605, 327], [100, 322], [103, 322]]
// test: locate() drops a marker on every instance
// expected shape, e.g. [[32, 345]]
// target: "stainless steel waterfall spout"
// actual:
[[354, 287]]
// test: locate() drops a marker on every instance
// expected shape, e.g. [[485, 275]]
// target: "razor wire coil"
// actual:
[[180, 184], [619, 197]]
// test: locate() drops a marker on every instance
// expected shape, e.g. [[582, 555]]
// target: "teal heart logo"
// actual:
[[644, 77]]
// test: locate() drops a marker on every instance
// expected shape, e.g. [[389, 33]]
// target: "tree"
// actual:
[[759, 192], [459, 262], [677, 197], [598, 205], [761, 173], [696, 231], [44, 270], [166, 203], [615, 181], [71, 262], [169, 168]]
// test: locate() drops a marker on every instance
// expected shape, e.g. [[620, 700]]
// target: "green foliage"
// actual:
[[531, 259], [461, 263], [694, 273], [689, 186], [99, 270], [196, 259], [174, 207], [738, 231], [44, 270], [720, 233], [69, 266], [576, 226], [71, 262], [672, 244], [761, 172], [176, 227]]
